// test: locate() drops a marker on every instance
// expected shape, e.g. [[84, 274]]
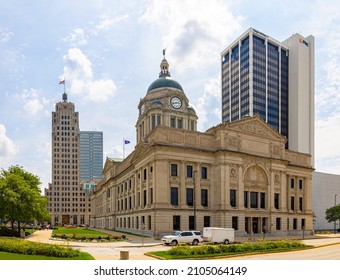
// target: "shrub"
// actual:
[[35, 248], [235, 248]]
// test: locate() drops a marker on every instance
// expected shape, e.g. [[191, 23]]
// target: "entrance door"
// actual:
[[65, 219]]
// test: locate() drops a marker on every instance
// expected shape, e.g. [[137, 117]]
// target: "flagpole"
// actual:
[[123, 148], [64, 85]]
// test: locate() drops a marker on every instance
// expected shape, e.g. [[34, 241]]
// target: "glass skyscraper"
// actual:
[[273, 79], [91, 155], [255, 80]]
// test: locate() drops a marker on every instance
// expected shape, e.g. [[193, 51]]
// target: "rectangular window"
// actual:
[[292, 183], [206, 221], [303, 223], [172, 122], [262, 200], [179, 123], [189, 171], [151, 195], [295, 223], [153, 121], [174, 196], [253, 200], [192, 125], [204, 197], [292, 200], [234, 222], [144, 174], [245, 199], [144, 198], [233, 198], [149, 222], [173, 170], [204, 173], [176, 222], [300, 184], [190, 196], [278, 223], [276, 200], [300, 203], [191, 222]]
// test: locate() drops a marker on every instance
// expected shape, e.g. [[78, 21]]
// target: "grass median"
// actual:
[[211, 251]]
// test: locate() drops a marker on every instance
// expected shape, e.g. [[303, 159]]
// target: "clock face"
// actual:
[[176, 102]]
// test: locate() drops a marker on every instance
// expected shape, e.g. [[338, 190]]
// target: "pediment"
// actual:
[[256, 126], [140, 149], [108, 165]]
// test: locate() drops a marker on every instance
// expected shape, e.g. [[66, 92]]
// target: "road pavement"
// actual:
[[137, 246]]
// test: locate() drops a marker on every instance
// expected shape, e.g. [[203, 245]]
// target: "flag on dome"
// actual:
[[126, 141]]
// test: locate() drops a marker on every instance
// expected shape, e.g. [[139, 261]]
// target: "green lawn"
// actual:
[[79, 232], [12, 256]]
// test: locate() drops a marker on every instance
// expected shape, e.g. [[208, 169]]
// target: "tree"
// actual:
[[20, 197], [333, 213]]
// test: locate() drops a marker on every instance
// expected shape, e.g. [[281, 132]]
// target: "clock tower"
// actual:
[[166, 104]]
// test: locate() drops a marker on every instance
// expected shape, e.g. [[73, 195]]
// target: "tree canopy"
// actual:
[[20, 196], [333, 213]]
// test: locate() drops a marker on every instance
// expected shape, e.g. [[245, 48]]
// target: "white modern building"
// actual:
[[326, 194], [261, 75]]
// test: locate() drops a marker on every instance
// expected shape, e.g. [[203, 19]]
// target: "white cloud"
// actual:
[[106, 22], [33, 103], [78, 71], [77, 65], [7, 146], [33, 106], [77, 37], [101, 90], [209, 102], [5, 35], [327, 148], [194, 36]]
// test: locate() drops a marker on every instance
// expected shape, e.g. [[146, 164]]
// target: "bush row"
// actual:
[[34, 248], [87, 238], [236, 248]]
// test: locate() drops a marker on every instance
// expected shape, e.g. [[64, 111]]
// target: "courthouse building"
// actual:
[[236, 174]]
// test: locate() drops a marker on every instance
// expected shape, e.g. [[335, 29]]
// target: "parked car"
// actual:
[[189, 237]]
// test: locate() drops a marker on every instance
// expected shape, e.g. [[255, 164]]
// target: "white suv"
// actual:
[[190, 237]]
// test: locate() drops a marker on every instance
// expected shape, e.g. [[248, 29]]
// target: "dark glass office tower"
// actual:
[[255, 80]]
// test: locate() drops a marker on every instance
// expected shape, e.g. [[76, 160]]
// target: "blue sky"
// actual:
[[109, 51]]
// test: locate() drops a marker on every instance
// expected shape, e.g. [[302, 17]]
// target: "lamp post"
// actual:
[[194, 198]]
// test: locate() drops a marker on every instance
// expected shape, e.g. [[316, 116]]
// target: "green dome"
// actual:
[[164, 82]]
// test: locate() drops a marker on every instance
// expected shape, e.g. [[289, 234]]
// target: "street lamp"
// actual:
[[194, 198]]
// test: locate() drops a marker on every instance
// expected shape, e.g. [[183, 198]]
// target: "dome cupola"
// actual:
[[165, 104]]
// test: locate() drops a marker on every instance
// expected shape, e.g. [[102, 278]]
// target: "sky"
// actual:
[[109, 52]]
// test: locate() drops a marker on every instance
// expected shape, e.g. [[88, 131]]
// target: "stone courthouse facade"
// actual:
[[233, 175]]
